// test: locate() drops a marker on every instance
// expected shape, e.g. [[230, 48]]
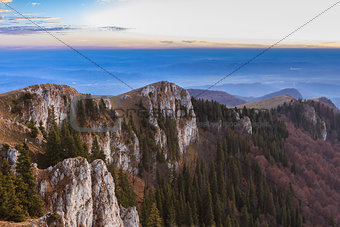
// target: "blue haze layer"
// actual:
[[314, 72]]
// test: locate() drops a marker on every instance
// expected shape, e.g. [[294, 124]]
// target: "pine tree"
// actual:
[[229, 223], [147, 203], [209, 217], [97, 153], [81, 113], [42, 129], [10, 207], [154, 220], [124, 190], [244, 217], [270, 205], [68, 146], [53, 153], [34, 129], [29, 197]]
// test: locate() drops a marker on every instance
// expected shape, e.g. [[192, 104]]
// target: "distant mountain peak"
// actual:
[[269, 103], [219, 96], [287, 91]]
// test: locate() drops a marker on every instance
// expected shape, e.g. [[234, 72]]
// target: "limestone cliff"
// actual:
[[171, 101], [83, 194], [46, 98], [312, 117], [130, 216]]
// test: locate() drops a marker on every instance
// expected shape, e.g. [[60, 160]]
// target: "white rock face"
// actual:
[[310, 114], [175, 102], [246, 125], [312, 117], [81, 193], [46, 97], [324, 131], [130, 217], [12, 157], [105, 205]]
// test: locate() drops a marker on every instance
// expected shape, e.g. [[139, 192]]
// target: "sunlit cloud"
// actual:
[[4, 10], [4, 1], [35, 3]]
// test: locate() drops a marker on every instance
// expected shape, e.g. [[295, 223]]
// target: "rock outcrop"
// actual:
[[246, 125], [311, 116], [48, 98], [130, 216], [160, 99], [82, 194], [171, 101]]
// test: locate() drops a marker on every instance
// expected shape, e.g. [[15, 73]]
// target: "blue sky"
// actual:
[[169, 23]]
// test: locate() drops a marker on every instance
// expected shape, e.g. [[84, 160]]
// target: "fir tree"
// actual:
[[34, 129], [29, 196], [97, 153], [154, 220], [53, 152], [124, 190], [68, 146], [10, 207]]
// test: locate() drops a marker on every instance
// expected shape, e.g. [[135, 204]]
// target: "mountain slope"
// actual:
[[327, 102], [269, 103], [288, 91], [219, 96]]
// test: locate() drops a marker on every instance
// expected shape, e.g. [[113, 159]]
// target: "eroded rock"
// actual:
[[81, 193]]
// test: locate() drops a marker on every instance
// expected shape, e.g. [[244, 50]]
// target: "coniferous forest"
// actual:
[[229, 190]]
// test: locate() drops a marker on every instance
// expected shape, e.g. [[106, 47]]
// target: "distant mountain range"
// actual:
[[287, 91], [233, 100], [246, 89], [250, 91], [219, 96]]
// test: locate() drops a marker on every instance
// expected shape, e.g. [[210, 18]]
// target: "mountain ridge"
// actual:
[[287, 91], [160, 144]]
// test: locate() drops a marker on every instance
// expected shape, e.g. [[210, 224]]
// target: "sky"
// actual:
[[167, 23]]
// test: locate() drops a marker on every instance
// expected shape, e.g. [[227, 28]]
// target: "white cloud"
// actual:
[[35, 3]]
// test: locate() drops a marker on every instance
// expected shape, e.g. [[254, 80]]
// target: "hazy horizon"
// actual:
[[314, 72]]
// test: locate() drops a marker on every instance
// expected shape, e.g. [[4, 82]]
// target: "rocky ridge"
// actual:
[[47, 101]]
